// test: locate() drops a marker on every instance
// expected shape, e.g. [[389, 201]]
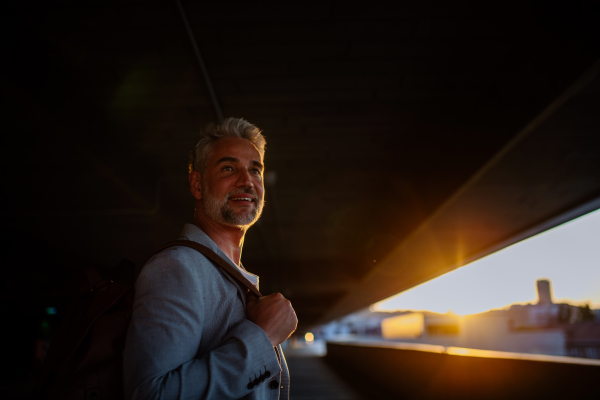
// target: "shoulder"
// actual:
[[179, 264]]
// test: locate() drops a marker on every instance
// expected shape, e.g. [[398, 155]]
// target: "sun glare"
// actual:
[[568, 255]]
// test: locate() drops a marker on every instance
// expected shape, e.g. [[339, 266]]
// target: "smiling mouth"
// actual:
[[242, 199]]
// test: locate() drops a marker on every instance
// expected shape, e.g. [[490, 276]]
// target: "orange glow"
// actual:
[[309, 337], [403, 326], [566, 255], [458, 351]]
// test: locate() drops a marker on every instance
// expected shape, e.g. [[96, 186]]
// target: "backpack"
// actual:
[[85, 359]]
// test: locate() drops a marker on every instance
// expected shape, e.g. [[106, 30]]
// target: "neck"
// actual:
[[230, 239]]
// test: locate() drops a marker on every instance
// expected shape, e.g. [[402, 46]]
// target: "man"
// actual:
[[195, 332]]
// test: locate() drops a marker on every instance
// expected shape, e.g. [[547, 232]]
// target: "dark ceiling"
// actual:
[[375, 114]]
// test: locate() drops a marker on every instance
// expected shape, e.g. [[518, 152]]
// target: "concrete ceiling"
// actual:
[[399, 135]]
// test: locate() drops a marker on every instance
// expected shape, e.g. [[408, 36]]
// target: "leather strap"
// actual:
[[211, 255], [92, 276]]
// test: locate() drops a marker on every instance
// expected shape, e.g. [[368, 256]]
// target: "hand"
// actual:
[[274, 314]]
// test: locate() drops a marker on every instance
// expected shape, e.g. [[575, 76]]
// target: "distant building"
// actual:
[[545, 313], [544, 292], [364, 323], [486, 331], [419, 324], [583, 340], [540, 328]]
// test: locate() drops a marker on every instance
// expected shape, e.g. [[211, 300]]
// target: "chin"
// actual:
[[240, 220]]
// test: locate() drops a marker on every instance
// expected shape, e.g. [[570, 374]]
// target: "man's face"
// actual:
[[232, 189]]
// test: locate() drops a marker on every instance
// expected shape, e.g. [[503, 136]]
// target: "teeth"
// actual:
[[242, 198]]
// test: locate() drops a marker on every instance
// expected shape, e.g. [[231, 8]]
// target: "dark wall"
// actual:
[[417, 374]]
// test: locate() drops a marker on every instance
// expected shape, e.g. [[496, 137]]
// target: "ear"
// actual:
[[196, 184]]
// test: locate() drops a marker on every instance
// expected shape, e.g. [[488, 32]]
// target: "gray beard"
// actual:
[[218, 209]]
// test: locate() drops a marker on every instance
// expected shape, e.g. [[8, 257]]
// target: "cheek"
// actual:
[[258, 186]]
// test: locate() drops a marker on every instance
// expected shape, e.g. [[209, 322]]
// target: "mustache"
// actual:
[[246, 190]]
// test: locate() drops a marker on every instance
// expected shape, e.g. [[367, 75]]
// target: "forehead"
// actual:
[[241, 149]]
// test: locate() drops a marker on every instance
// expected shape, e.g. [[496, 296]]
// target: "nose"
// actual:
[[244, 179]]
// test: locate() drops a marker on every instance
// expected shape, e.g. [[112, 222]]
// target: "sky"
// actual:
[[568, 255]]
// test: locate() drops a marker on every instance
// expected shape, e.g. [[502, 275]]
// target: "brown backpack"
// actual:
[[85, 358]]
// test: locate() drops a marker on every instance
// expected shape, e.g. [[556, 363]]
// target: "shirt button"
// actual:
[[274, 384]]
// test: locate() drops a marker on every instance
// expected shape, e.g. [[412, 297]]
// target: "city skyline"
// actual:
[[567, 255]]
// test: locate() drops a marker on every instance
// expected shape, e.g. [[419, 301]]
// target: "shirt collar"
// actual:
[[194, 233]]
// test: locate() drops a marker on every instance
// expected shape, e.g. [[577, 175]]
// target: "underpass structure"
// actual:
[[404, 139]]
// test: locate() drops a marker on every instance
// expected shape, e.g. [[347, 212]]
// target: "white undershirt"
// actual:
[[248, 275]]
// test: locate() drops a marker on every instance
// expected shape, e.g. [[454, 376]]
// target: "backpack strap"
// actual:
[[92, 276], [211, 255]]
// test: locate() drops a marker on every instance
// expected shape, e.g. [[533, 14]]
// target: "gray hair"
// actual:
[[228, 128]]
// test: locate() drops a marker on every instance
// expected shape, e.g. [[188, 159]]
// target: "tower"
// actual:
[[543, 291]]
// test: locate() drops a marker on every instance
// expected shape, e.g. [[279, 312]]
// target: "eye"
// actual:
[[255, 171], [227, 168]]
